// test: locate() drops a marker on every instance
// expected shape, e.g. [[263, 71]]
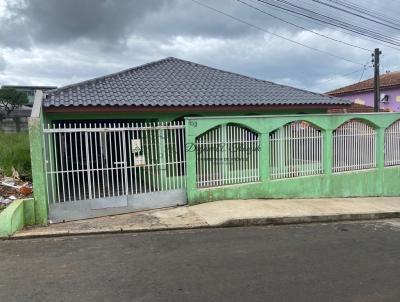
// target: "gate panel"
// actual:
[[95, 169]]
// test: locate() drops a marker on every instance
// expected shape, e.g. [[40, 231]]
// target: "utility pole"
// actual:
[[377, 92]]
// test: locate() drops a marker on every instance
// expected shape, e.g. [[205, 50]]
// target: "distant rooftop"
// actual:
[[387, 80], [173, 82], [29, 87]]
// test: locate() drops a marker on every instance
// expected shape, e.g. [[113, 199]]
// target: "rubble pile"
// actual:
[[11, 189]]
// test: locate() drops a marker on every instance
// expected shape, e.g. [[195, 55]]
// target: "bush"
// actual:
[[14, 152]]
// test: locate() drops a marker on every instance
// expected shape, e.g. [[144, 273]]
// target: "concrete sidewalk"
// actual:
[[229, 213]]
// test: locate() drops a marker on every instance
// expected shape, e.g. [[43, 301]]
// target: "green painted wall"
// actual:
[[380, 181], [18, 214]]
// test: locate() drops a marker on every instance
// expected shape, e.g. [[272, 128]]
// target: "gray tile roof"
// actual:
[[175, 82]]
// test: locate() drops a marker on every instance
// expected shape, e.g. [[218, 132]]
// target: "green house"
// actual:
[[116, 143]]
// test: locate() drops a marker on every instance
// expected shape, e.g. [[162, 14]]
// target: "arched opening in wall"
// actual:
[[227, 154], [392, 144], [354, 146], [295, 150]]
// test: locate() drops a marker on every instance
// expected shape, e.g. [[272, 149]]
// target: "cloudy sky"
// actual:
[[56, 42]]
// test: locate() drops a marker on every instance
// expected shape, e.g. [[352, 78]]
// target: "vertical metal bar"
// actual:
[[54, 175], [153, 150], [107, 142], [198, 162], [175, 156], [123, 134], [146, 155], [81, 161], [88, 164], [71, 173], [66, 170], [57, 155], [102, 135], [77, 160], [46, 160], [96, 150], [121, 159], [180, 148], [156, 140], [140, 137], [117, 159], [61, 163]]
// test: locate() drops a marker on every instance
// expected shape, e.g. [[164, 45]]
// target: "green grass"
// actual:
[[14, 152]]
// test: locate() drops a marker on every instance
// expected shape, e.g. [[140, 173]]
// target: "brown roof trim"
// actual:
[[340, 93], [144, 109], [387, 80]]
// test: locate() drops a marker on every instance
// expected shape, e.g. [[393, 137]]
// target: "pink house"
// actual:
[[362, 93]]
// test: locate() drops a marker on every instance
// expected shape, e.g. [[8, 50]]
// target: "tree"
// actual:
[[11, 99]]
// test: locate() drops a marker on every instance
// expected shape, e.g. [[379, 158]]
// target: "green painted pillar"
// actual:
[[327, 152], [380, 159], [37, 160], [327, 157], [264, 157], [191, 186], [224, 154]]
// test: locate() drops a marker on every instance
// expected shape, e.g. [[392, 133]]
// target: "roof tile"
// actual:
[[174, 82]]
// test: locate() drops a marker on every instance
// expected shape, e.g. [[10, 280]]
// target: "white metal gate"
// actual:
[[94, 169]]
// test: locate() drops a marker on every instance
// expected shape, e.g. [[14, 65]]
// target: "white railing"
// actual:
[[295, 150], [392, 144], [102, 160], [226, 155], [354, 147]]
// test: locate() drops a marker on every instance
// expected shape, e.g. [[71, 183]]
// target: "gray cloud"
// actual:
[[2, 63], [57, 22], [60, 42]]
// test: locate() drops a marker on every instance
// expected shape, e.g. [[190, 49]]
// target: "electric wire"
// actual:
[[274, 34]]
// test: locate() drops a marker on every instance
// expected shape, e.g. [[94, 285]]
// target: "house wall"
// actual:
[[367, 98], [379, 181]]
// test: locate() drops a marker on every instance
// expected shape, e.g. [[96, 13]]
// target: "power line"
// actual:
[[310, 14], [346, 74], [365, 11], [317, 22], [274, 34], [361, 29], [301, 27], [365, 67]]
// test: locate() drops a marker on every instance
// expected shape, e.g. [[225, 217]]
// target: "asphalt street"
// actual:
[[358, 262]]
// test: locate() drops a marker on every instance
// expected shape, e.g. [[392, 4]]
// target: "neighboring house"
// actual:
[[362, 93], [117, 143], [29, 90]]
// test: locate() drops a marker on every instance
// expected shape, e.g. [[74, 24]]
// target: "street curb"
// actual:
[[103, 232], [231, 223], [309, 219]]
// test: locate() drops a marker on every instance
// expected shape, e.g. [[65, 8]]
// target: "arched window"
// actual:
[[227, 154], [354, 147], [295, 150], [392, 144]]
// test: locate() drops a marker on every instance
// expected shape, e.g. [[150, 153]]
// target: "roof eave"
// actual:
[[219, 108]]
